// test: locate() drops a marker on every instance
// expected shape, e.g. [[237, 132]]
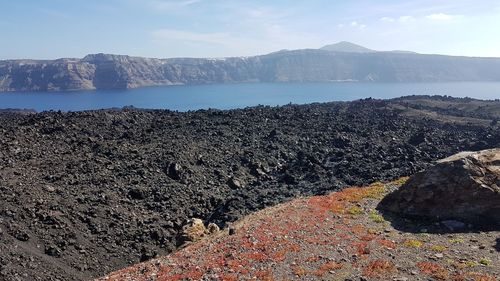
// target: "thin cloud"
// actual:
[[221, 40], [443, 17], [165, 35], [434, 17], [54, 13], [262, 13], [406, 19], [387, 19], [171, 5], [354, 24], [258, 16]]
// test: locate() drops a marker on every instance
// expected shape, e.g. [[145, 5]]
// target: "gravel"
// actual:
[[85, 193]]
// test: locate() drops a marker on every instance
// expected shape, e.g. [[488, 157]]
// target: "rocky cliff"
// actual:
[[102, 71]]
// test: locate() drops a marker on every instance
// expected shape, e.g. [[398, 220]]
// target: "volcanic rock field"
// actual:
[[86, 193]]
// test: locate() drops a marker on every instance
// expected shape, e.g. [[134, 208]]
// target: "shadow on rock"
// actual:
[[413, 224], [460, 193]]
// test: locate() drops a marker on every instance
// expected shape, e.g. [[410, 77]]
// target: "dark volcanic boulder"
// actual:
[[465, 186]]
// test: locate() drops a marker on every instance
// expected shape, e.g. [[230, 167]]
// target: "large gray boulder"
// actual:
[[465, 187]]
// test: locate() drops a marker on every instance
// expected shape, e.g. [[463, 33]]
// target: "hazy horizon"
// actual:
[[50, 29]]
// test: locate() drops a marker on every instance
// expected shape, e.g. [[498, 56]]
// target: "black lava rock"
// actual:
[[125, 181]]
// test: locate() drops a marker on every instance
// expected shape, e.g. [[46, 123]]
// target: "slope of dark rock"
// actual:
[[339, 236], [86, 193]]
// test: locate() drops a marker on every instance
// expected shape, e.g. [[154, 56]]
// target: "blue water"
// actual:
[[227, 96]]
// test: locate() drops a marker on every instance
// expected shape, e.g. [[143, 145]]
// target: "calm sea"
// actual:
[[228, 96]]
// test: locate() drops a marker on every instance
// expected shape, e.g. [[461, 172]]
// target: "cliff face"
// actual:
[[46, 75], [101, 71], [317, 65]]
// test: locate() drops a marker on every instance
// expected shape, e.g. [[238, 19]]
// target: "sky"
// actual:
[[49, 29]]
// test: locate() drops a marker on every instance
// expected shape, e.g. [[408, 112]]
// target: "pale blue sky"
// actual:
[[216, 28]]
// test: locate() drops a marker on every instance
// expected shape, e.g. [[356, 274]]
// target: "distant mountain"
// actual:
[[103, 71], [347, 47]]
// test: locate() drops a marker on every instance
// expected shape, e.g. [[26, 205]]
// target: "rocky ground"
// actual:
[[85, 193], [340, 236]]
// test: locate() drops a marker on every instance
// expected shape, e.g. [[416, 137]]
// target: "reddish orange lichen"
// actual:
[[326, 267], [434, 270], [379, 268]]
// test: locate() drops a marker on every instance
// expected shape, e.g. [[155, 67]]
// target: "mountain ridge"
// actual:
[[344, 46], [351, 63]]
